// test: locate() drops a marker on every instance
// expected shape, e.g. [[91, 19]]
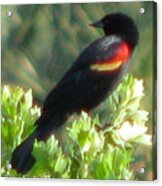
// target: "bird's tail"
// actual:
[[22, 159]]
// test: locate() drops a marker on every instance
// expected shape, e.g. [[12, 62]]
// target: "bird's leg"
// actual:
[[102, 127]]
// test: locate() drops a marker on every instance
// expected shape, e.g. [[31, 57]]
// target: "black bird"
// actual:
[[91, 78]]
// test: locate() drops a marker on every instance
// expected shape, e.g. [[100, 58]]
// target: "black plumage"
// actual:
[[91, 78]]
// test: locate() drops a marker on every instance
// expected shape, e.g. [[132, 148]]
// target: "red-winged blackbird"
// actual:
[[91, 78]]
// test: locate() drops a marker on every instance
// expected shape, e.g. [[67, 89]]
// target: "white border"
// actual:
[[59, 182]]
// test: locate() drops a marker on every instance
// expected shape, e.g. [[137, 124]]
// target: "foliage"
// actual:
[[18, 116], [92, 149]]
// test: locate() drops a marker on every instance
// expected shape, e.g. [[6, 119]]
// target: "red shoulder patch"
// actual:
[[121, 56], [122, 53]]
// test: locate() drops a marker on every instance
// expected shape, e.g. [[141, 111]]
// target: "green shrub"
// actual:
[[96, 147]]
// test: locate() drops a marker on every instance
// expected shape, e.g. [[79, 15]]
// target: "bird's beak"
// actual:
[[97, 24]]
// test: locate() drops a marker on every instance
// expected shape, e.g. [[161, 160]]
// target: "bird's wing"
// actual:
[[68, 90], [100, 49]]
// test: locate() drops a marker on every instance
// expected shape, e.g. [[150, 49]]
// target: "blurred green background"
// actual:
[[40, 42]]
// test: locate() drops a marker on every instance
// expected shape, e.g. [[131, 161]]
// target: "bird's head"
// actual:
[[121, 25]]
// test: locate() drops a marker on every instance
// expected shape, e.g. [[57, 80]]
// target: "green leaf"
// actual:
[[93, 148]]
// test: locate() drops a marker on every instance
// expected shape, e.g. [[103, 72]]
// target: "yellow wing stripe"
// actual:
[[106, 66]]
